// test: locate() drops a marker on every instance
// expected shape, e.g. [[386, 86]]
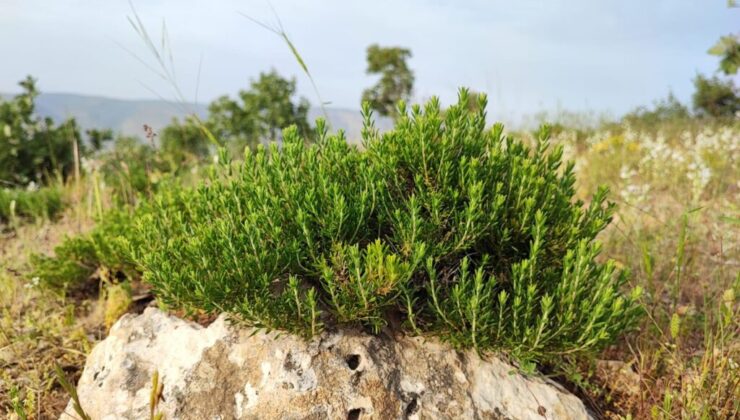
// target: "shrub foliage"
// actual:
[[440, 226], [77, 258]]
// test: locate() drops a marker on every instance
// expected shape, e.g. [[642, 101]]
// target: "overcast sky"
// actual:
[[528, 55]]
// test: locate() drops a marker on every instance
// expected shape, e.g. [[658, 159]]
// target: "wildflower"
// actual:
[[626, 173], [33, 283]]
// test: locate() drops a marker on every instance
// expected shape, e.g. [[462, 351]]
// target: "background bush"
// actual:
[[439, 226], [41, 203], [34, 149], [715, 97], [132, 169]]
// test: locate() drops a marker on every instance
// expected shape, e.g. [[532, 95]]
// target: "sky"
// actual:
[[528, 55]]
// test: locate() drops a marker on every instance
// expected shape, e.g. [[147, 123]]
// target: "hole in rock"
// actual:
[[412, 408], [354, 414], [353, 361]]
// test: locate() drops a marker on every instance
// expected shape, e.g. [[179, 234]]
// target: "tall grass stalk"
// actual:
[[680, 255], [279, 30], [72, 391], [165, 66]]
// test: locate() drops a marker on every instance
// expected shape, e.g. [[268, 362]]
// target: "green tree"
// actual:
[[184, 141], [728, 49], [715, 97], [396, 79], [96, 138], [260, 113], [664, 110], [257, 115], [34, 148]]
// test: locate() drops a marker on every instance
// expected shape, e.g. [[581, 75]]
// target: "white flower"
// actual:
[[705, 174], [699, 174], [635, 194], [33, 283], [626, 173], [6, 130]]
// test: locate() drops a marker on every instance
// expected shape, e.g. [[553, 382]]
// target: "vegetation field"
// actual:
[[604, 255]]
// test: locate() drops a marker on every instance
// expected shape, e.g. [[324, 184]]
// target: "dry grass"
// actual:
[[37, 327], [678, 232], [41, 328]]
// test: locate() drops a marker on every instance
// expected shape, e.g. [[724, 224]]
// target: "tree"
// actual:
[[34, 148], [396, 79], [96, 137], [715, 97], [260, 114], [184, 141], [668, 109], [728, 48]]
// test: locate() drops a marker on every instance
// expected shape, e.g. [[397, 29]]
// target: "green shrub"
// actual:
[[43, 203], [34, 148], [77, 258], [440, 226]]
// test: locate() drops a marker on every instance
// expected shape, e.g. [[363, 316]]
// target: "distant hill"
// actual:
[[129, 116]]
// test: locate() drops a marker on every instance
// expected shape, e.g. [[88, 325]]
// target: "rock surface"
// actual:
[[222, 372]]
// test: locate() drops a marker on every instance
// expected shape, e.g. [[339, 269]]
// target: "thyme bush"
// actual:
[[440, 226], [77, 258]]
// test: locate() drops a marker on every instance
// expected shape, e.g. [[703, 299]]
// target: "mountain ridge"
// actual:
[[128, 116]]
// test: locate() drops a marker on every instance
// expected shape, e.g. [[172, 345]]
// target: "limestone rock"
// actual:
[[223, 372]]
